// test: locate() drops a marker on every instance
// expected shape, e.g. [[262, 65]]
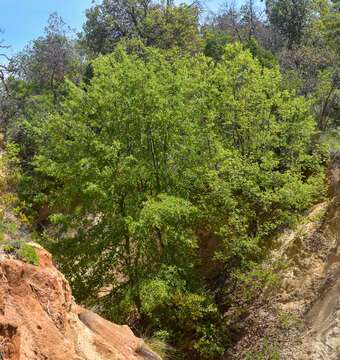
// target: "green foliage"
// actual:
[[265, 57], [11, 216], [270, 352], [22, 251], [331, 21], [153, 149], [199, 316], [289, 18], [27, 252], [214, 45], [153, 294], [159, 24], [169, 26]]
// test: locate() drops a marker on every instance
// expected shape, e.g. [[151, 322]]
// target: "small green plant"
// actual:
[[301, 234], [8, 248], [22, 251], [27, 252], [313, 218], [269, 352], [287, 319], [317, 216]]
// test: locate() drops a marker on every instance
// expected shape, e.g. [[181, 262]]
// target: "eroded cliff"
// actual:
[[40, 320]]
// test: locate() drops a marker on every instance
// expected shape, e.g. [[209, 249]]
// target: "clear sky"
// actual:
[[24, 20]]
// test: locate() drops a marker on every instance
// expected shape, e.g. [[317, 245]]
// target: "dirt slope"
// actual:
[[320, 336], [298, 318], [40, 320]]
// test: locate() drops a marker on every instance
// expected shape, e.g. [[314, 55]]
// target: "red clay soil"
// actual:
[[40, 320]]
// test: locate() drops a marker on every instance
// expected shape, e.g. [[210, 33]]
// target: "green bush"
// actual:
[[27, 252]]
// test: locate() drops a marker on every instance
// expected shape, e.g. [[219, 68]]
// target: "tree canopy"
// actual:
[[159, 24], [162, 146]]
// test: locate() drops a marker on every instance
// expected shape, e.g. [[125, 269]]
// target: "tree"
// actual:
[[326, 99], [34, 84], [289, 18], [244, 24], [331, 20], [239, 23], [228, 21], [50, 58], [3, 68], [5, 71], [155, 148], [251, 18], [157, 24]]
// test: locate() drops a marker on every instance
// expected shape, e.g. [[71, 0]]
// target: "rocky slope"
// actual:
[[39, 319]]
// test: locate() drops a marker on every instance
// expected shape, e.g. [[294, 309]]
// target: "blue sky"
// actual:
[[24, 20]]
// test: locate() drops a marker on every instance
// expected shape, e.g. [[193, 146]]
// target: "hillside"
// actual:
[[298, 317]]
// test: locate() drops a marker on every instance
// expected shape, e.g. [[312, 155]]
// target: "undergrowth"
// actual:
[[268, 352], [11, 216]]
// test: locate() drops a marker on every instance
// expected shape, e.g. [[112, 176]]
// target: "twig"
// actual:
[[3, 278], [2, 355], [48, 307], [34, 289], [8, 304]]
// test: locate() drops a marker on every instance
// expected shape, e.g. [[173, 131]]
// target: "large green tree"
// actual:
[[157, 149], [156, 23]]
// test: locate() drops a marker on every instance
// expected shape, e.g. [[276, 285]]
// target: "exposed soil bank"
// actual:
[[39, 319], [298, 317]]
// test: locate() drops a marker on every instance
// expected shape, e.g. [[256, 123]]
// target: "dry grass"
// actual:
[[155, 349]]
